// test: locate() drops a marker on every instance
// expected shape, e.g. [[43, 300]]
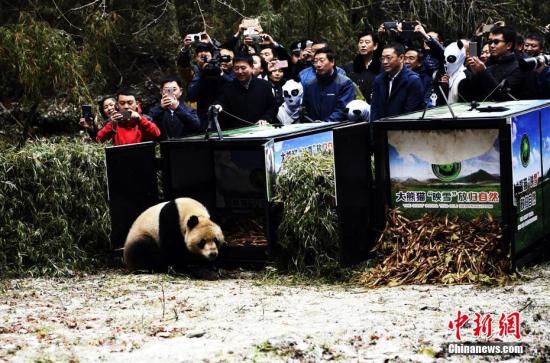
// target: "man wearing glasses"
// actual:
[[171, 115], [397, 90], [502, 74]]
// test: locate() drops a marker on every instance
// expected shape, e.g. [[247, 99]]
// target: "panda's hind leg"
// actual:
[[143, 255]]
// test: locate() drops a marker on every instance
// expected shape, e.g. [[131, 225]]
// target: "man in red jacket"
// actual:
[[127, 125]]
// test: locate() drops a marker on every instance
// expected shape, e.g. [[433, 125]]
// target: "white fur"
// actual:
[[147, 224]]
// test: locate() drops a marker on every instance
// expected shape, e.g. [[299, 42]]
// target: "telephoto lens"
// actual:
[[528, 64]]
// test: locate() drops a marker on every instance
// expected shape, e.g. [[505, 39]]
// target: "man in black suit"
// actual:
[[245, 98]]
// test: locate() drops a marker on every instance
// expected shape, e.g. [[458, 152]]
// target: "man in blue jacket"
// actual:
[[397, 90], [171, 115], [326, 95]]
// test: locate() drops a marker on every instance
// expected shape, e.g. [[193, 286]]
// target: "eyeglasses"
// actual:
[[294, 93], [494, 41]]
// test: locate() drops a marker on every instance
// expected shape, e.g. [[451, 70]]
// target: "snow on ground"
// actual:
[[116, 317]]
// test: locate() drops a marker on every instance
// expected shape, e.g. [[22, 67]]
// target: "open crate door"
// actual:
[[131, 184]]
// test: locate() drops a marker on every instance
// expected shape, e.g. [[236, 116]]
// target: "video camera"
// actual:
[[528, 64], [212, 65]]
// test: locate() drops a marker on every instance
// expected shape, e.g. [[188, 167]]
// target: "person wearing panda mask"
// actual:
[[455, 55], [289, 111], [457, 80]]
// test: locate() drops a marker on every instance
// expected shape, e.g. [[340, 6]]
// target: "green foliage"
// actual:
[[53, 212], [43, 60], [308, 232]]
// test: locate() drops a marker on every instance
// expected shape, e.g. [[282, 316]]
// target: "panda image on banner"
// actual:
[[170, 233]]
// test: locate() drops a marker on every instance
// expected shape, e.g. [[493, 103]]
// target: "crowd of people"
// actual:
[[253, 79]]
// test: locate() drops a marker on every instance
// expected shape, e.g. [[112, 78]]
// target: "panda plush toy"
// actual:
[[358, 111], [170, 233]]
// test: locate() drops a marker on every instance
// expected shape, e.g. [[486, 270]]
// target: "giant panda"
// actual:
[[169, 233]]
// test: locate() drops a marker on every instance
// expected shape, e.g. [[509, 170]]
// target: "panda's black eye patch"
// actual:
[[202, 243], [451, 59], [216, 241]]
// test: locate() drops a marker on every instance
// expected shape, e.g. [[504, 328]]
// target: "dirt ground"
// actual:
[[116, 317]]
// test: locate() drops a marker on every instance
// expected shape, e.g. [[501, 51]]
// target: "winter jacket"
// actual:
[[505, 67], [252, 104], [307, 74], [406, 96], [175, 123], [129, 132], [363, 76], [326, 97]]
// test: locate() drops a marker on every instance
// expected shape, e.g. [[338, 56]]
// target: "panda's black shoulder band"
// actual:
[[169, 225]]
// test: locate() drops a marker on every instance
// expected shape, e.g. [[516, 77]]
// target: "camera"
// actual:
[[126, 115], [196, 38], [408, 26], [225, 58], [390, 25], [253, 33], [528, 64], [87, 113]]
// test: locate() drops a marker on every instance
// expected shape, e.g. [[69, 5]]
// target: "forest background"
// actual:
[[56, 55]]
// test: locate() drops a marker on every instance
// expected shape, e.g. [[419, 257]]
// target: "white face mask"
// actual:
[[455, 54], [292, 93]]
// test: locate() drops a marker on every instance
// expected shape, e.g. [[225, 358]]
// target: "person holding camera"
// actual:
[[209, 80], [188, 66], [171, 115], [127, 125], [106, 110], [501, 78]]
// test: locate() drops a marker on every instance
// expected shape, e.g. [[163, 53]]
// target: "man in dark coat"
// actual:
[[398, 90], [502, 75], [366, 64], [171, 115], [246, 99]]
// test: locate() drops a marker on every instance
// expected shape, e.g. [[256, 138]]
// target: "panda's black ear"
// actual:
[[460, 44], [192, 222]]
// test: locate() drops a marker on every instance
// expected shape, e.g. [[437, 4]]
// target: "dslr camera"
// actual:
[[528, 64]]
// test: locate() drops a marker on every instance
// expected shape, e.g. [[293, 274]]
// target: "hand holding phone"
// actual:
[[473, 49], [87, 112]]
